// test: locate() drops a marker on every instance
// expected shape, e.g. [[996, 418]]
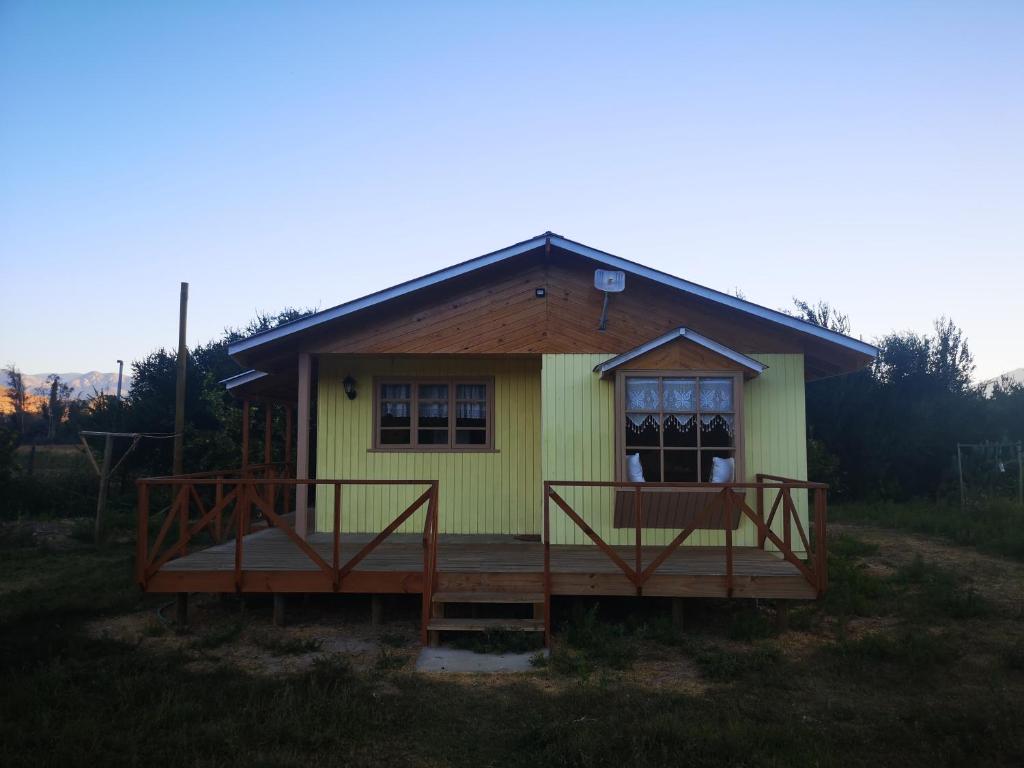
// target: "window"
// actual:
[[679, 423], [433, 414]]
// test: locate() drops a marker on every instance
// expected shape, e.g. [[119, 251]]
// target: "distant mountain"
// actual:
[[82, 384], [1015, 376]]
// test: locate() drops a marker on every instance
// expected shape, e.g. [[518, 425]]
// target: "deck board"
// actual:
[[487, 560]]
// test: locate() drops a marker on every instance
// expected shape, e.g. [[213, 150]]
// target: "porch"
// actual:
[[255, 546]]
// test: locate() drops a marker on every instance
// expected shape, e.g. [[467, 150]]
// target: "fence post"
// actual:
[[183, 505], [547, 564], [218, 525], [727, 522], [761, 537], [142, 534], [336, 552], [638, 511]]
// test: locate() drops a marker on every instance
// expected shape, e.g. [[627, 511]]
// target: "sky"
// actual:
[[304, 154]]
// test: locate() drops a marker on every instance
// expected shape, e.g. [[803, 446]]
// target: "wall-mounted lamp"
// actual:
[[349, 385]]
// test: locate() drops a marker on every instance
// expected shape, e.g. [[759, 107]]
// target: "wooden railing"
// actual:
[[203, 501], [726, 499]]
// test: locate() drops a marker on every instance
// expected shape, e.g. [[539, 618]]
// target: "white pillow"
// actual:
[[634, 471], [722, 470]]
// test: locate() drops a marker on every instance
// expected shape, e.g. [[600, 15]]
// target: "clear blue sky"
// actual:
[[306, 154]]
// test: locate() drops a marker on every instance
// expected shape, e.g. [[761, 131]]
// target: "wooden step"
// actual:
[[485, 625], [488, 597]]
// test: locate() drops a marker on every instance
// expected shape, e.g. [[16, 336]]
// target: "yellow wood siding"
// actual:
[[578, 441], [480, 492]]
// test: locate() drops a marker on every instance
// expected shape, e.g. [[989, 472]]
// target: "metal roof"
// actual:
[[239, 379], [681, 333], [616, 262]]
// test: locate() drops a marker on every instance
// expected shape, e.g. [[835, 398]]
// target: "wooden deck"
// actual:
[[271, 562]]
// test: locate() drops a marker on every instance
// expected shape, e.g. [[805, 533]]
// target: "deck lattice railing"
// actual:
[[222, 505], [725, 499]]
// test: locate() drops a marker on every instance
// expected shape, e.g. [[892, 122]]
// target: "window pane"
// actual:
[[717, 430], [471, 437], [641, 429], [706, 462], [433, 391], [679, 394], [680, 466], [471, 414], [394, 437], [394, 414], [433, 414], [432, 436], [641, 394], [471, 391], [651, 463], [395, 391], [680, 430], [716, 395]]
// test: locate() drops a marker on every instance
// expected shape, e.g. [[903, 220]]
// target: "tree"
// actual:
[[951, 361], [16, 384], [56, 404], [822, 314]]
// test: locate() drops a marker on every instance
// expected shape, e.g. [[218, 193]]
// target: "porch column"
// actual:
[[268, 419], [245, 434], [302, 444]]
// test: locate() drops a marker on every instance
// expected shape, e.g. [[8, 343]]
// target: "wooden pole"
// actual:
[[302, 443], [960, 472], [179, 390], [101, 501], [246, 416], [1020, 475]]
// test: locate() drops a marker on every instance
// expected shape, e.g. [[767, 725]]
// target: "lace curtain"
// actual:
[[679, 394], [716, 394], [395, 410], [471, 411]]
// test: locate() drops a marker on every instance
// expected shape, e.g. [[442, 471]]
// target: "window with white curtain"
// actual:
[[678, 424], [434, 414]]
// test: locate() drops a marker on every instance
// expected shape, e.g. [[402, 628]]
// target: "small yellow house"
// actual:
[[583, 424]]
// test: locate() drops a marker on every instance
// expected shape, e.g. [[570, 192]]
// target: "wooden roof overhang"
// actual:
[[278, 387], [494, 305], [636, 356]]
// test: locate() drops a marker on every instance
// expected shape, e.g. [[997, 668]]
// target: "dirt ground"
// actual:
[[1000, 580], [222, 631]]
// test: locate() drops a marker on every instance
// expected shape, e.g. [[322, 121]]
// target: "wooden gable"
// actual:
[[544, 302], [683, 354]]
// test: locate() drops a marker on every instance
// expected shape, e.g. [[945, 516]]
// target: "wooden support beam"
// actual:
[[181, 610], [302, 444], [179, 387], [376, 610], [245, 433], [678, 613], [268, 418], [782, 616], [287, 434], [279, 610]]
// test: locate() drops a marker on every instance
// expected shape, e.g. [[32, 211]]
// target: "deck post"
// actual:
[[376, 610], [181, 610], [245, 434], [781, 615], [302, 445], [279, 610], [678, 613]]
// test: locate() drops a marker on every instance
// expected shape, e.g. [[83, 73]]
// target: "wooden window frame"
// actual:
[[621, 473], [414, 382]]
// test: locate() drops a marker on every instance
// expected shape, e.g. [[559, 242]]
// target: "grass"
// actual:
[[995, 526], [922, 677], [277, 645]]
